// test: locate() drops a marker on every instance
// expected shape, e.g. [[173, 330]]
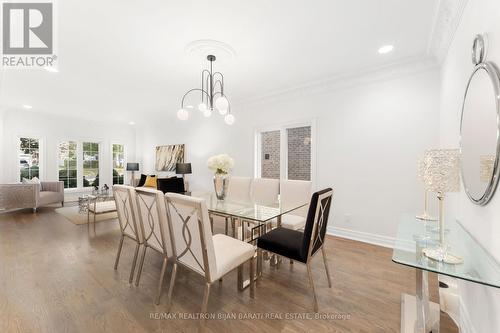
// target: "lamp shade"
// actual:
[[132, 166], [442, 170], [183, 168]]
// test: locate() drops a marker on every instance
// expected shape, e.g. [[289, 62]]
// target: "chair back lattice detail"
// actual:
[[317, 221], [127, 211], [192, 236], [153, 220]]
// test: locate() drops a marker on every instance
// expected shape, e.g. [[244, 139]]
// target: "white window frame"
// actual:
[[79, 165], [282, 127], [80, 162], [41, 155], [125, 157]]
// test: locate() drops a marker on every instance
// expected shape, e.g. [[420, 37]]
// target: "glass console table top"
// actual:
[[245, 210], [415, 235]]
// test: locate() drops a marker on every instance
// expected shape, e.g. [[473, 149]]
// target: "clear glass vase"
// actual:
[[221, 182]]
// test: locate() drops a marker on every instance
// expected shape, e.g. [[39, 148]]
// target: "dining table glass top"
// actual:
[[414, 235], [247, 210]]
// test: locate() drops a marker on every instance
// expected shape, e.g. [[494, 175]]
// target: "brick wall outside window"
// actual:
[[270, 167], [299, 153]]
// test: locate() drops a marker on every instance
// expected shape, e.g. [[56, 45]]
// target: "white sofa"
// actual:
[[17, 196]]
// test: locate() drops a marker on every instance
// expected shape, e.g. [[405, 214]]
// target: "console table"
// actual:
[[417, 313]]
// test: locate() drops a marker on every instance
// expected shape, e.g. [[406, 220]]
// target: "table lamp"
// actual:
[[442, 175], [133, 167], [421, 175], [183, 169]]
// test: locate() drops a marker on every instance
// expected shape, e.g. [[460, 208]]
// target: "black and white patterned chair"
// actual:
[[302, 246]]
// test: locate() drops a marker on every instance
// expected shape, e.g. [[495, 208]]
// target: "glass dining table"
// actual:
[[258, 218]]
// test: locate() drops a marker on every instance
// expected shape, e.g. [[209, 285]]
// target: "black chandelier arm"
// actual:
[[221, 85], [203, 85], [203, 92], [221, 81]]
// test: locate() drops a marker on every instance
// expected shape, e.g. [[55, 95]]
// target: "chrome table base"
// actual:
[[418, 315]]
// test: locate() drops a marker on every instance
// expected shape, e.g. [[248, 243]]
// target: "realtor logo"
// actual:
[[28, 29]]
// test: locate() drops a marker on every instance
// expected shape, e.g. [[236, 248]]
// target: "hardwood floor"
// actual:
[[57, 277]]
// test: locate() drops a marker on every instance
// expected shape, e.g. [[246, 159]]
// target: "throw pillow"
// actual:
[[172, 184], [33, 180], [150, 181], [142, 180]]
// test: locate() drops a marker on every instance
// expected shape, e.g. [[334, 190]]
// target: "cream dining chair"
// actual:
[[292, 194], [153, 223], [126, 207], [263, 191], [211, 256]]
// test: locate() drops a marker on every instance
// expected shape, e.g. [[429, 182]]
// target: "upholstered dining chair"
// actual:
[[153, 223], [126, 207], [238, 191], [263, 191], [302, 246], [292, 194], [196, 249]]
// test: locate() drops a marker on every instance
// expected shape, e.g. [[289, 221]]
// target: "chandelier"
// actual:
[[212, 96]]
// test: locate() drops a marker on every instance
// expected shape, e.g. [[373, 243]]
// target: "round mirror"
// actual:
[[479, 133]]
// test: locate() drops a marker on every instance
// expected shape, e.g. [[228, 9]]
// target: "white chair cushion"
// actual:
[[290, 221], [230, 253], [103, 207]]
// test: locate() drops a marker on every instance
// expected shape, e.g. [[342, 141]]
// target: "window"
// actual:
[[299, 153], [270, 154], [118, 164], [90, 164], [29, 158], [285, 152], [68, 164]]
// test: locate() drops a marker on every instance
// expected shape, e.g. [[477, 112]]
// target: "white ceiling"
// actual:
[[126, 59]]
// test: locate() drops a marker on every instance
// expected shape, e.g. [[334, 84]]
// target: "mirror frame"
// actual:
[[493, 73]]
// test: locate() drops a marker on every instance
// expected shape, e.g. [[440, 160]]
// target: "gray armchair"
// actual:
[[16, 196]]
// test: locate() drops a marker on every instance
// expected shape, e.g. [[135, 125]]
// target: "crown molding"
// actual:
[[446, 22], [406, 67]]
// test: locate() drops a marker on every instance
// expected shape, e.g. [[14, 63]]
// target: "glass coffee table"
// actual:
[[478, 266]]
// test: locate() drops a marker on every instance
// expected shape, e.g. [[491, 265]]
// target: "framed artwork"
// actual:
[[168, 156]]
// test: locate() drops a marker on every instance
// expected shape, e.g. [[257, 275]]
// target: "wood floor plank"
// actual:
[[58, 277]]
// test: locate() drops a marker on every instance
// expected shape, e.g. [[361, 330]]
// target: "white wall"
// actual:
[[481, 304], [368, 142], [51, 130]]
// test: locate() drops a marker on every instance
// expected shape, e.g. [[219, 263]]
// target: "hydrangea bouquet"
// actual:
[[220, 164]]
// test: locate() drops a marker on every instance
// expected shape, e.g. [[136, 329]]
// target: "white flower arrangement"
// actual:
[[220, 164]]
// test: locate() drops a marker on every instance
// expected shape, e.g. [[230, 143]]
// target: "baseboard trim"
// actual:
[[465, 321], [365, 237]]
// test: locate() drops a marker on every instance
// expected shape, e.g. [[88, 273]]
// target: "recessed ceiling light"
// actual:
[[51, 69], [131, 123], [26, 106], [385, 49]]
